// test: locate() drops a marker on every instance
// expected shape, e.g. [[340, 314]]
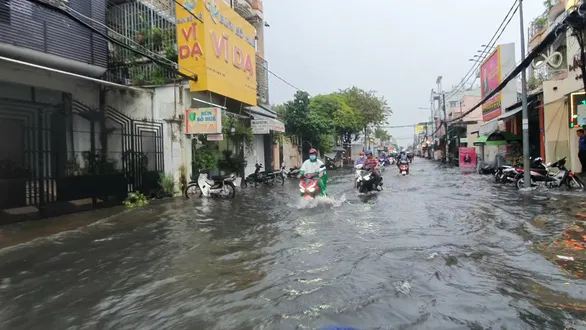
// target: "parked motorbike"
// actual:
[[505, 174], [308, 186], [220, 186], [293, 172], [543, 176], [264, 177], [365, 180], [404, 167]]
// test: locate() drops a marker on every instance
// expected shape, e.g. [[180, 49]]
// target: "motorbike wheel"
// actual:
[[279, 179], [575, 183], [192, 187], [498, 177], [229, 191], [520, 183]]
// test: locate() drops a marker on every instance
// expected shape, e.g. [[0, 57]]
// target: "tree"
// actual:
[[372, 107], [280, 110], [382, 135], [296, 114]]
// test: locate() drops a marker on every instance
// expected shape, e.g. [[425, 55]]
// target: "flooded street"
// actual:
[[435, 250]]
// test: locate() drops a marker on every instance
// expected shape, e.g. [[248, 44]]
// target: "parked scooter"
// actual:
[[365, 180], [543, 176], [221, 186], [309, 187], [264, 177], [293, 172]]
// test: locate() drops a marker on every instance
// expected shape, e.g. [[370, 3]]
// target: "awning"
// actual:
[[511, 113], [259, 112], [502, 139]]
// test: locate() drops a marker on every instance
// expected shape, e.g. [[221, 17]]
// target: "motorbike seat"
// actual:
[[220, 177]]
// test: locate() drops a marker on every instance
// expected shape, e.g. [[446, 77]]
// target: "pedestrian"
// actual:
[[582, 149]]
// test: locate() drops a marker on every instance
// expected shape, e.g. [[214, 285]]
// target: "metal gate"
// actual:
[[63, 151]]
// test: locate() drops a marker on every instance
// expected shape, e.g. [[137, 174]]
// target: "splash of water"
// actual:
[[320, 201]]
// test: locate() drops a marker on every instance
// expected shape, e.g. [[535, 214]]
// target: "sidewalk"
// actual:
[[21, 232]]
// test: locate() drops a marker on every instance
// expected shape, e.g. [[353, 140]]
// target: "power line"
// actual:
[[488, 47]]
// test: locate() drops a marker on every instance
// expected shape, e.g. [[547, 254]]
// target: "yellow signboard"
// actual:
[[420, 128], [570, 5], [203, 121], [218, 45]]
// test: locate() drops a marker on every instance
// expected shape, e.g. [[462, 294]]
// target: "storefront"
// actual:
[[512, 120], [264, 150]]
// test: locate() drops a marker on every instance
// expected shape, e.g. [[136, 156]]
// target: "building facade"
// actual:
[[99, 96], [557, 77]]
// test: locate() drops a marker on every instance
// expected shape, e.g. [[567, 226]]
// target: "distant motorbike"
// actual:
[[265, 177], [365, 180], [404, 167], [221, 186], [543, 176], [308, 186]]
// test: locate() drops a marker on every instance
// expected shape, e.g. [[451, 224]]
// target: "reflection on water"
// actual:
[[436, 249]]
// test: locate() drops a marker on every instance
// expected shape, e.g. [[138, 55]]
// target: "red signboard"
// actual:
[[467, 157]]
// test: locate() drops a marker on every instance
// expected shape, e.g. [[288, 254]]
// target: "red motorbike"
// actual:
[[309, 187], [404, 167]]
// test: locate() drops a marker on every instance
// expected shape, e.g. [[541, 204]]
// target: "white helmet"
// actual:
[[403, 150]]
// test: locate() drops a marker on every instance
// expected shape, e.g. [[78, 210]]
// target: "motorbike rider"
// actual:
[[313, 165], [402, 157], [360, 160], [373, 164]]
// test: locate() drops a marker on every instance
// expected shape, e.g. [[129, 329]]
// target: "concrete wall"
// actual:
[[164, 104]]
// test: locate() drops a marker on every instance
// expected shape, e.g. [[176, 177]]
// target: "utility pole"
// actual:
[[432, 108], [445, 127], [526, 161]]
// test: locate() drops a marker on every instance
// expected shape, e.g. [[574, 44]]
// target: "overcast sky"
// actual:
[[397, 48]]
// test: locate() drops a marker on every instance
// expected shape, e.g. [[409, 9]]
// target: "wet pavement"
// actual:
[[436, 250]]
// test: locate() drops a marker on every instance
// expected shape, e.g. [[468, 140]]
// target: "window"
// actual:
[[5, 11], [453, 104]]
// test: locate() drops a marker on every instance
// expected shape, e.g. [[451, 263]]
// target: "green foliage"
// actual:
[[242, 133], [167, 183], [541, 22], [280, 109], [322, 119], [371, 107], [231, 163], [204, 157], [296, 114], [382, 135], [136, 199], [182, 177]]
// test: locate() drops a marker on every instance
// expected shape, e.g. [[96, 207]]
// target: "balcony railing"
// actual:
[[262, 80]]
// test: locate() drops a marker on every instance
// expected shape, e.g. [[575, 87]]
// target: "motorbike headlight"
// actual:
[[311, 189], [301, 189]]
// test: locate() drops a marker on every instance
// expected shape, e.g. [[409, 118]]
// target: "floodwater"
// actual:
[[437, 249]]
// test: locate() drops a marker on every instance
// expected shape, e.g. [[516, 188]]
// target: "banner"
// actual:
[[259, 126], [490, 78], [203, 121], [467, 157]]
